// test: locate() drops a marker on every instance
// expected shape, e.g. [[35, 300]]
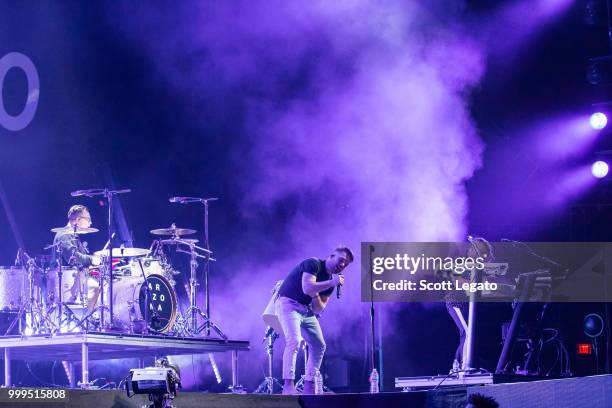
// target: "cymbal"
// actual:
[[173, 231], [187, 241], [124, 252], [72, 230]]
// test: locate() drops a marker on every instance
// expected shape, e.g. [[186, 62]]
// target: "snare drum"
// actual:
[[129, 303]]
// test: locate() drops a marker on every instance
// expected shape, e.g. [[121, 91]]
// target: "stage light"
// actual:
[[593, 325], [160, 382], [599, 169], [598, 120]]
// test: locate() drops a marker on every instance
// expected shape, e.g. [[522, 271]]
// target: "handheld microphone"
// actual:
[[176, 199]]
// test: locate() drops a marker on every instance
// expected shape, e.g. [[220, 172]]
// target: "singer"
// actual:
[[302, 298]]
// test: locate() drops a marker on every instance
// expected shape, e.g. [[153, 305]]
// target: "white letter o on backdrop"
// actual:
[[19, 60]]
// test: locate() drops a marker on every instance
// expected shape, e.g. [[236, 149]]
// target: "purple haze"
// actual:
[[356, 118]]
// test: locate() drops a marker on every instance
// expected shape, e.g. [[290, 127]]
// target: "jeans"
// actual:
[[298, 320]]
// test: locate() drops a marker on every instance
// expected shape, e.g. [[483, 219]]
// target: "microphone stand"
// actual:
[[372, 311], [108, 194]]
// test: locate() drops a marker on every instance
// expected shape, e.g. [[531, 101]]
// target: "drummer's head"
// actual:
[[79, 215]]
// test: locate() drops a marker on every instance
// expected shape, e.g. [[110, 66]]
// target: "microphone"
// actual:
[[470, 238], [338, 292], [79, 193], [177, 199]]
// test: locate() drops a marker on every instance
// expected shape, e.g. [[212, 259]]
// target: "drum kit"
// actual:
[[133, 287]]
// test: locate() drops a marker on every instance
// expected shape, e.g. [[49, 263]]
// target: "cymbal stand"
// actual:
[[194, 310]]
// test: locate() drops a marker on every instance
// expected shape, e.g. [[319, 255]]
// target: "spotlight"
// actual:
[[598, 120], [599, 169], [593, 325]]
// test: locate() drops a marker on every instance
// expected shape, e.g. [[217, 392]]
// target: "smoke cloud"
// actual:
[[346, 121]]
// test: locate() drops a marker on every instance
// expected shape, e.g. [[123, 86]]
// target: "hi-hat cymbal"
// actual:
[[72, 230], [173, 231], [124, 252], [186, 241]]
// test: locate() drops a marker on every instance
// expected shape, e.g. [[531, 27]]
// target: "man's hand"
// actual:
[[338, 279], [96, 260]]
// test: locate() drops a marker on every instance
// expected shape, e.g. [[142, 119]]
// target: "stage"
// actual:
[[592, 392], [82, 347]]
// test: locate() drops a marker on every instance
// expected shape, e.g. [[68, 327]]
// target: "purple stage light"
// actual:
[[600, 169], [598, 120]]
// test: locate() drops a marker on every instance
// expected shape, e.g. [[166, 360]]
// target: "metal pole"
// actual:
[[71, 374], [109, 198], [235, 385], [84, 366], [7, 367], [207, 267], [468, 362]]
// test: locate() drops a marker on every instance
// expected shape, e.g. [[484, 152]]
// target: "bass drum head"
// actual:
[[162, 303], [129, 296]]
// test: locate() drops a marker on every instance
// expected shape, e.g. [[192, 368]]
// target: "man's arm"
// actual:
[[70, 250], [318, 303], [311, 287]]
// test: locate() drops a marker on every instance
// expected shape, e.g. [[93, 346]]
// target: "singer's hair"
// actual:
[[484, 248], [75, 211], [347, 251]]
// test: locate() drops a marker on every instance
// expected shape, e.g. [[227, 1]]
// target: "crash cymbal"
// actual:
[[124, 252], [72, 230], [173, 231]]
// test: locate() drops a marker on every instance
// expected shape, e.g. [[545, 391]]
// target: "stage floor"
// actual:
[[74, 347], [583, 392]]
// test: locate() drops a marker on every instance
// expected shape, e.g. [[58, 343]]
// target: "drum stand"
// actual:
[[31, 322], [268, 383]]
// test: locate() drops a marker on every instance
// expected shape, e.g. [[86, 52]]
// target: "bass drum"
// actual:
[[129, 304]]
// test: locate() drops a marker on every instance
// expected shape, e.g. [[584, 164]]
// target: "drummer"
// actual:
[[75, 254]]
